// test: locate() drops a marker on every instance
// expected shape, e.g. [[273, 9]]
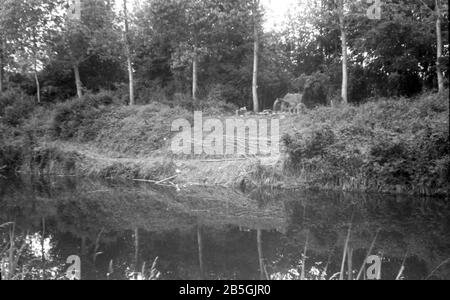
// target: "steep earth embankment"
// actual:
[[388, 145]]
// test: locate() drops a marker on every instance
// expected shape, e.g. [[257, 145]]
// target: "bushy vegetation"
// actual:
[[218, 101], [397, 145], [94, 119], [77, 119], [390, 145], [139, 130], [15, 106]]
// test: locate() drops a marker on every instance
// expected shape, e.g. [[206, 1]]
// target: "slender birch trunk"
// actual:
[[200, 251], [255, 57], [128, 54], [38, 85], [136, 250], [260, 255], [344, 53], [195, 75], [440, 76], [1, 73], [2, 63], [78, 84], [35, 70]]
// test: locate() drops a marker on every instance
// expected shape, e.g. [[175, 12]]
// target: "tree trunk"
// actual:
[[440, 76], [131, 81], [1, 72], [255, 58], [43, 260], [2, 64], [128, 54], [38, 86], [344, 53], [262, 271], [200, 252], [36, 79], [195, 75], [35, 50], [136, 250], [78, 84]]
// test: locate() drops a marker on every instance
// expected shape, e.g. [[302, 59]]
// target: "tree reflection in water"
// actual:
[[119, 228]]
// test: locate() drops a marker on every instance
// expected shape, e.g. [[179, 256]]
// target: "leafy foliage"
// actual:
[[15, 106], [76, 119], [390, 146]]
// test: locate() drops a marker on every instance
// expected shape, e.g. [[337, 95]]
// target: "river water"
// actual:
[[118, 229]]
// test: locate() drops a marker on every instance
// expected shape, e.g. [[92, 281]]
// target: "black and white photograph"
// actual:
[[226, 147]]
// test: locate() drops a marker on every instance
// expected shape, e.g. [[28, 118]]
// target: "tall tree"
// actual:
[[2, 61], [195, 72], [199, 17], [92, 33], [256, 24], [344, 46], [189, 24], [35, 24], [440, 76], [74, 20], [128, 54], [3, 33], [330, 40], [437, 15]]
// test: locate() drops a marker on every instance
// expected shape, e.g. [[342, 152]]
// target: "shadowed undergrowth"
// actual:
[[388, 145]]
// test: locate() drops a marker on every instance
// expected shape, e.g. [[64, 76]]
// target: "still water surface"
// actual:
[[118, 228]]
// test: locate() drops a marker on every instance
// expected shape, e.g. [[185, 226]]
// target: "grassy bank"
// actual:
[[387, 145], [391, 145]]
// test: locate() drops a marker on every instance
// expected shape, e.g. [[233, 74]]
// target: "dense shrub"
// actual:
[[309, 143], [7, 98], [216, 101], [15, 106], [151, 92], [10, 158], [315, 89], [138, 130], [182, 100], [13, 145], [390, 145], [78, 118], [222, 93]]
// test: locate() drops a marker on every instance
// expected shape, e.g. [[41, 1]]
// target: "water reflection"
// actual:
[[125, 230]]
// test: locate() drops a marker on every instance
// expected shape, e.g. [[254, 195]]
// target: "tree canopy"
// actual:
[[179, 50]]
